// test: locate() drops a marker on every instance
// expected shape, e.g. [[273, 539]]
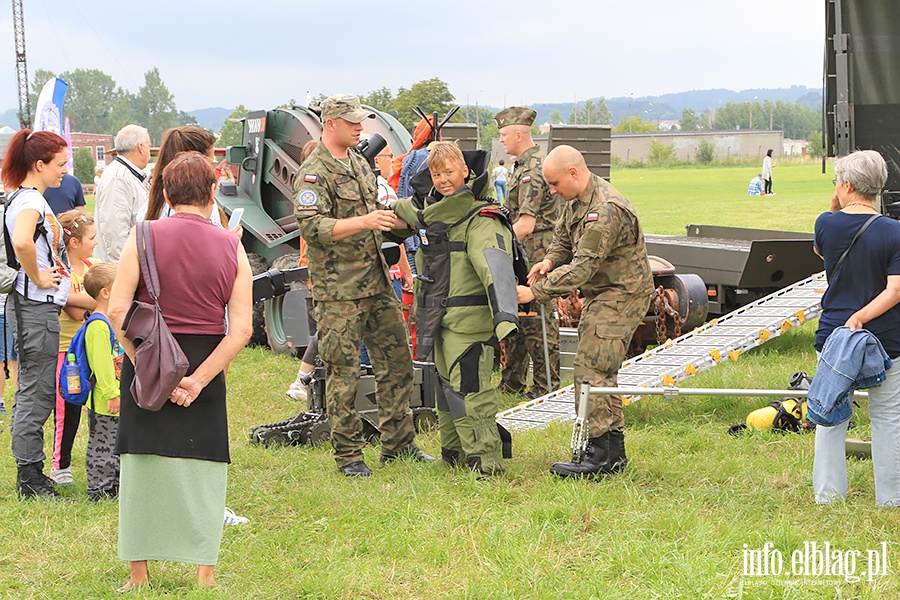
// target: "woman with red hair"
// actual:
[[34, 161]]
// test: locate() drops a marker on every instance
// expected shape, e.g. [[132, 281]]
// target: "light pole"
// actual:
[[630, 96], [477, 114], [751, 111]]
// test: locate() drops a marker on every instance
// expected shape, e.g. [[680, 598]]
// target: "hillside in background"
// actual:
[[211, 118], [669, 106]]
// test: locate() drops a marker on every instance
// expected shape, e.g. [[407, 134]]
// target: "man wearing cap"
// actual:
[[335, 195], [598, 248], [534, 211]]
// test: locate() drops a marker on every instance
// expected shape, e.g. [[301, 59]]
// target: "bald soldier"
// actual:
[[598, 248], [335, 195], [534, 211]]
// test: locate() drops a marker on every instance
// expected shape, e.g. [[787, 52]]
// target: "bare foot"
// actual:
[[131, 585], [206, 577]]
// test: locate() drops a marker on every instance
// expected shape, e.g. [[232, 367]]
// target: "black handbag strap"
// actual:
[[840, 261], [147, 259]]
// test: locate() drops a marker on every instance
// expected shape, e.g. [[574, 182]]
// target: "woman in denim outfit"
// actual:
[[863, 294]]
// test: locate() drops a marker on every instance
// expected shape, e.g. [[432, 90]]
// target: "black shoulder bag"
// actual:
[[840, 261]]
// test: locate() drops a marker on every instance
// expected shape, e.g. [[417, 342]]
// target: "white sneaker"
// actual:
[[62, 477], [233, 519], [297, 392]]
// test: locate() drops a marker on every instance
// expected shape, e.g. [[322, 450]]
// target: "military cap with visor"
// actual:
[[515, 115], [344, 106]]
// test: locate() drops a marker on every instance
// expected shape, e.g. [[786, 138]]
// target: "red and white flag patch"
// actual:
[[526, 179], [592, 217], [309, 178]]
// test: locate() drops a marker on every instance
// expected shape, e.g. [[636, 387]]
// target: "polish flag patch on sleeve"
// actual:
[[309, 178], [592, 217], [526, 179]]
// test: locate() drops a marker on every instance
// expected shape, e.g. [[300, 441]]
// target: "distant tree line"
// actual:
[[96, 104]]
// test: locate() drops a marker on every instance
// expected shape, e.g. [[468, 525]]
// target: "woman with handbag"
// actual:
[[862, 262], [174, 457]]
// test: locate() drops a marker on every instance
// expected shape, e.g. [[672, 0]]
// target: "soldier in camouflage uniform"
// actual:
[[598, 248], [534, 211], [335, 193], [466, 302]]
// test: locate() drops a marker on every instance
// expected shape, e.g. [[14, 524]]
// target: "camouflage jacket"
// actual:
[[325, 190], [598, 247], [529, 194]]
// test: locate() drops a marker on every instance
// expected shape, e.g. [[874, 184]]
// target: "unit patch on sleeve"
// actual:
[[526, 179], [591, 217], [310, 178], [307, 197]]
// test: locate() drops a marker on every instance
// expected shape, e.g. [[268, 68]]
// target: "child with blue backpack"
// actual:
[[99, 348]]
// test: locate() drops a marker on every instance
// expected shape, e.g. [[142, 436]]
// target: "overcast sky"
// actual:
[[265, 52]]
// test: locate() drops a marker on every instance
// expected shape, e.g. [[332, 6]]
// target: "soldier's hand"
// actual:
[[539, 271], [379, 220], [524, 295]]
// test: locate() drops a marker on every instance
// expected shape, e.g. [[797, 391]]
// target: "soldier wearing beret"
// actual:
[[598, 248], [334, 194], [534, 210]]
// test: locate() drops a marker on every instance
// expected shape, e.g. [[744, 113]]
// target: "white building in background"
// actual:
[[794, 147]]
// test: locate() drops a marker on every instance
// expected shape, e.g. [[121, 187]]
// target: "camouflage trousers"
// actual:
[[467, 406], [528, 342], [604, 333], [101, 463], [377, 321]]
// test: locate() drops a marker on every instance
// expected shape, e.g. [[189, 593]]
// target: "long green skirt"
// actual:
[[171, 508]]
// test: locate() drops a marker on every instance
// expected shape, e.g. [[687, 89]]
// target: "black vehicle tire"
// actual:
[[425, 419], [273, 316], [317, 433], [258, 265]]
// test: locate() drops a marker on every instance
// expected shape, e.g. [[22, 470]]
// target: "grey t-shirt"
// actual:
[[50, 246]]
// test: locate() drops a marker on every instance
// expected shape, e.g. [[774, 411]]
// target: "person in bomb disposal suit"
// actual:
[[534, 211], [598, 247], [466, 302], [335, 193]]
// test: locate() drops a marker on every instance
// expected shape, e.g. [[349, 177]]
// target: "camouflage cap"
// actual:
[[344, 106], [515, 115]]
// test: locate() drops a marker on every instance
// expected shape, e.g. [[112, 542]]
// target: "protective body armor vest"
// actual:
[[455, 288]]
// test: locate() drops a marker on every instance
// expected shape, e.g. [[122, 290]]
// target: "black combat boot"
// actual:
[[412, 451], [451, 457], [617, 458], [595, 463], [32, 483], [357, 468]]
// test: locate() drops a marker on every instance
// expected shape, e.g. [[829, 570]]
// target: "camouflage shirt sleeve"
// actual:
[[560, 250], [532, 189], [593, 248], [313, 205]]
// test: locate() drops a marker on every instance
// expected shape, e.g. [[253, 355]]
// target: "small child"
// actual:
[[101, 463], [80, 236]]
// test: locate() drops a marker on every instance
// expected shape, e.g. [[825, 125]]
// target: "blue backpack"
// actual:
[[85, 373]]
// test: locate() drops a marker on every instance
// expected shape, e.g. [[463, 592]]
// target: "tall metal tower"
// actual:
[[21, 67]]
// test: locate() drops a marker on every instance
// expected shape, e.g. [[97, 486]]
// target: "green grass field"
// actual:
[[675, 524]]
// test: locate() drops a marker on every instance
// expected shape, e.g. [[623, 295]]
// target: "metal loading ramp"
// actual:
[[722, 339]]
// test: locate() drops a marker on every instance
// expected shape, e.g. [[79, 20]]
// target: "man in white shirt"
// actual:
[[122, 191]]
